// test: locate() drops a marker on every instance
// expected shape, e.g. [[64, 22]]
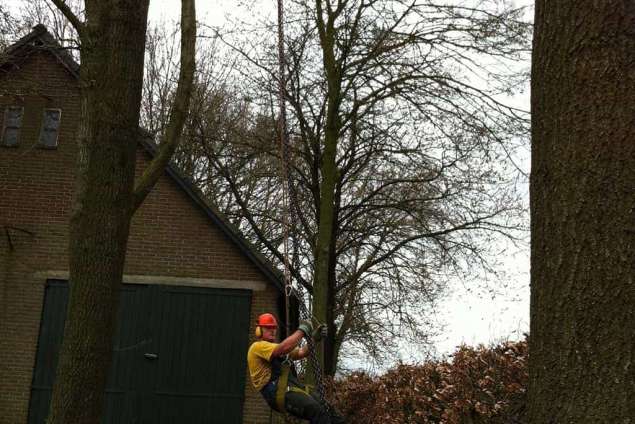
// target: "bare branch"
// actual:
[[179, 109], [72, 18]]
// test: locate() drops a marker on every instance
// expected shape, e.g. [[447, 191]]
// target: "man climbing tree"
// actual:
[[583, 213], [269, 367]]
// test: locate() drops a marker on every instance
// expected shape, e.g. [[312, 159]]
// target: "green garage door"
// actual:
[[179, 355]]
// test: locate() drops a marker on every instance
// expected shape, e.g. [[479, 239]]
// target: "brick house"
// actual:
[[192, 285]]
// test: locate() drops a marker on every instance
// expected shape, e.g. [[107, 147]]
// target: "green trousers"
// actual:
[[308, 407]]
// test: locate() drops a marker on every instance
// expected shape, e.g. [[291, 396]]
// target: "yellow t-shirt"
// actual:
[[258, 359]]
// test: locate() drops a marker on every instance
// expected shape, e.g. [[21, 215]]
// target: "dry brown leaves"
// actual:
[[478, 385]]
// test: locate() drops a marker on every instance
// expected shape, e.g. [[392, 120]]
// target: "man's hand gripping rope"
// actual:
[[317, 334]]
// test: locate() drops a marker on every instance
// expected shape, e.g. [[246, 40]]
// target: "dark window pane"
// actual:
[[50, 126], [12, 124], [49, 138], [51, 119], [11, 136], [14, 117]]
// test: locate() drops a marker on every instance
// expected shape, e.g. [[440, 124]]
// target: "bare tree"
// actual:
[[9, 27], [402, 154], [211, 98]]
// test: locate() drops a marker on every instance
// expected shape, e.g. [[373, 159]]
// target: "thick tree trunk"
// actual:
[[582, 340], [111, 76]]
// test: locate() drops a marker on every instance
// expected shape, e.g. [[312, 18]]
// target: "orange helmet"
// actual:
[[267, 321]]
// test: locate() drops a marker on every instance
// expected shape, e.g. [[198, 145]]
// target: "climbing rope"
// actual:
[[284, 163], [290, 206]]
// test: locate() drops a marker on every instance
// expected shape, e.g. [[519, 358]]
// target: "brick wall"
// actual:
[[170, 235]]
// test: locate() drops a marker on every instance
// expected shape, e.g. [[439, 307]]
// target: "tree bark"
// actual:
[[111, 75], [583, 213]]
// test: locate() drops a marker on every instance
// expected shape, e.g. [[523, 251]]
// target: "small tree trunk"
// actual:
[[583, 213], [330, 352], [322, 291], [323, 296]]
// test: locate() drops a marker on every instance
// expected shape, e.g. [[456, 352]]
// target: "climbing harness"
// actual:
[[284, 386], [290, 205], [281, 389]]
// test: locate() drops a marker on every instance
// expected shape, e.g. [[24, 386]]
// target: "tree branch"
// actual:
[[179, 109], [72, 18]]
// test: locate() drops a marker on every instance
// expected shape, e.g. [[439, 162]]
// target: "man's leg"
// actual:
[[303, 406], [336, 418]]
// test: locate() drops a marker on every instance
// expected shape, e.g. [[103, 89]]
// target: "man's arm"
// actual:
[[318, 335], [301, 353], [288, 344]]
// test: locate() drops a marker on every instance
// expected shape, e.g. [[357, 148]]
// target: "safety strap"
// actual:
[[281, 390], [283, 387]]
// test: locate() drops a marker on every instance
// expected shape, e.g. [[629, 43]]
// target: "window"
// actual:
[[50, 128], [12, 124]]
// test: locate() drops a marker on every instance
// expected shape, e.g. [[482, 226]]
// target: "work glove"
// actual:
[[319, 333], [306, 327]]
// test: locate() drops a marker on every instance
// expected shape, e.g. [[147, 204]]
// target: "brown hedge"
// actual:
[[476, 385]]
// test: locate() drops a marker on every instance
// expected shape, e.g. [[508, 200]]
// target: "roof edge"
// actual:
[[47, 42]]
